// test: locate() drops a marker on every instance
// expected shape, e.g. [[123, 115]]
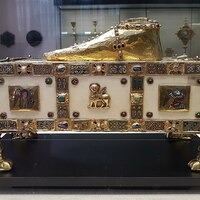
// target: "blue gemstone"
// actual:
[[137, 68], [63, 125], [136, 125]]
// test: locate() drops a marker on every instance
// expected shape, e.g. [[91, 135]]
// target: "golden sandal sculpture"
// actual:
[[116, 82], [134, 39]]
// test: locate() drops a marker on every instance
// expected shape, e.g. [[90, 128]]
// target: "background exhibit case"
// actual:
[[121, 86]]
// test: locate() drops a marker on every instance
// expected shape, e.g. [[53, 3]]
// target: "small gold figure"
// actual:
[[5, 165], [98, 97], [195, 163]]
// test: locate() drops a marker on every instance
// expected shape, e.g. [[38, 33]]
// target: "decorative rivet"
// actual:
[[3, 115], [76, 114], [197, 115], [123, 114], [48, 81], [2, 81], [50, 114], [150, 80], [149, 114], [74, 81], [123, 81], [198, 81]]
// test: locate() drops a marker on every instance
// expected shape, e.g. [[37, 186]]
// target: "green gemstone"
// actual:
[[48, 81], [197, 115], [61, 98]]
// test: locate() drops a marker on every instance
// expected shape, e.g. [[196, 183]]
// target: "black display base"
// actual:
[[100, 160]]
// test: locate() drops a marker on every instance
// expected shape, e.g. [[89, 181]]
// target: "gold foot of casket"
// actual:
[[194, 164], [5, 165]]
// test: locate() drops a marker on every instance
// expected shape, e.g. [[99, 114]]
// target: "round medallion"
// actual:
[[197, 115], [150, 80], [76, 114], [74, 81], [149, 114], [123, 81], [3, 115], [123, 114], [50, 114], [48, 81]]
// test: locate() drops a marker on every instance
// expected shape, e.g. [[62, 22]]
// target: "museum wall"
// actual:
[[21, 16]]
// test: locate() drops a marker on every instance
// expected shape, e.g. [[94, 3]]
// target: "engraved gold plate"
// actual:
[[24, 98]]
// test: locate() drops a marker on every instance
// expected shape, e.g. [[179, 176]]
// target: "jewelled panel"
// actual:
[[62, 111], [192, 68], [63, 125], [79, 69], [24, 69], [174, 126], [81, 125], [24, 98], [62, 83], [117, 69], [155, 125], [8, 125], [98, 69], [99, 125], [116, 125], [27, 125], [174, 98], [45, 125], [175, 68], [42, 69], [7, 69], [136, 98], [137, 111], [191, 126], [156, 68], [137, 83]]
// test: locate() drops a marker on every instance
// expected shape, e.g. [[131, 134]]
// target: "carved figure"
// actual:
[[98, 97]]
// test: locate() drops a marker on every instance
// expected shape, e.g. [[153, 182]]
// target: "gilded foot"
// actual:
[[178, 136], [195, 163], [5, 165]]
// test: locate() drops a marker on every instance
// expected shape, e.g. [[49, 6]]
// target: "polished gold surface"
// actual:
[[5, 165], [98, 97], [134, 39], [195, 163]]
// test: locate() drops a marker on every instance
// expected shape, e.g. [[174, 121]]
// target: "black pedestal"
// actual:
[[104, 160]]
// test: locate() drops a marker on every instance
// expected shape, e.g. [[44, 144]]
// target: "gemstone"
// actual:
[[63, 125], [60, 68], [197, 115], [61, 98], [137, 68], [136, 125], [48, 81]]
